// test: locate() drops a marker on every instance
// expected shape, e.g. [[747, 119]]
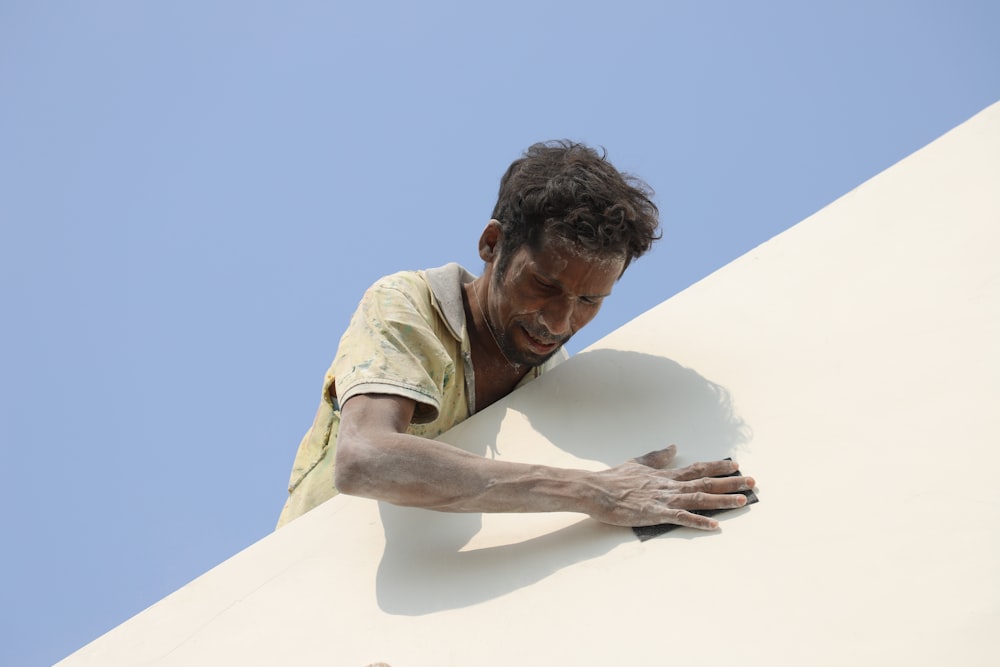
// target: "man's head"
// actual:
[[569, 191], [565, 227]]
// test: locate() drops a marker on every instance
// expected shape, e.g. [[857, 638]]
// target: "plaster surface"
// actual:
[[850, 365]]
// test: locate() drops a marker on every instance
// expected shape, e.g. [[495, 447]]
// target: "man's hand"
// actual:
[[643, 491]]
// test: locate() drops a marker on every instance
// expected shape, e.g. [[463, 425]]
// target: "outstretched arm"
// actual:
[[376, 458]]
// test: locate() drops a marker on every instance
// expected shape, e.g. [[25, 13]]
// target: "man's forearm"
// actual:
[[408, 470], [376, 458]]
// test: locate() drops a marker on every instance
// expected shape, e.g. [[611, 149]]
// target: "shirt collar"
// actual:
[[446, 287]]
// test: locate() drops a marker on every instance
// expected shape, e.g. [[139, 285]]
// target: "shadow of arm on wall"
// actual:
[[423, 571], [602, 405]]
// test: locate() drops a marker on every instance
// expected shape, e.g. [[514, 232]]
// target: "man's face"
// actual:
[[546, 296]]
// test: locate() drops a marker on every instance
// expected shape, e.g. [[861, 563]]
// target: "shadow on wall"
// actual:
[[603, 405], [612, 405], [422, 570]]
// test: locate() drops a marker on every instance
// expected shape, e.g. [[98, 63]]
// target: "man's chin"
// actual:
[[519, 347], [533, 357], [537, 360]]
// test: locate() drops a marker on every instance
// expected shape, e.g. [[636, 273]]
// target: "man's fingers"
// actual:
[[719, 484], [708, 469], [682, 518], [661, 458], [705, 501]]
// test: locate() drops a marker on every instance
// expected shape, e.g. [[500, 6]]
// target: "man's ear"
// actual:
[[489, 241]]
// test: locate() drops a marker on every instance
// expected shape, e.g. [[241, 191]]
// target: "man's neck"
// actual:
[[496, 375]]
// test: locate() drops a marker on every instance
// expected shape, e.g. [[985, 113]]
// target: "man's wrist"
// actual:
[[565, 490]]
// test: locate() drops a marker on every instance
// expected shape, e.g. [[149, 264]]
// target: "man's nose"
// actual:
[[557, 317]]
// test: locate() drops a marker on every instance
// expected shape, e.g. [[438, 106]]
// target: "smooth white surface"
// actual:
[[850, 365]]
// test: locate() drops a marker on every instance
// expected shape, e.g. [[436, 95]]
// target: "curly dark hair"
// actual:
[[570, 190]]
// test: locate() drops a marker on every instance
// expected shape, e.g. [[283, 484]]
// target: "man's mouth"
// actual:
[[541, 344]]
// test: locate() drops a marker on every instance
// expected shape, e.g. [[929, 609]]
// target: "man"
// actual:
[[427, 349]]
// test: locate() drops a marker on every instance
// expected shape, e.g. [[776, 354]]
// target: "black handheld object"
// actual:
[[648, 532]]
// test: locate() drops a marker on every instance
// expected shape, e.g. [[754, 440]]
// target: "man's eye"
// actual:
[[544, 285]]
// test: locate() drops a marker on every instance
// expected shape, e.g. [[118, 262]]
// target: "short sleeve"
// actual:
[[396, 344]]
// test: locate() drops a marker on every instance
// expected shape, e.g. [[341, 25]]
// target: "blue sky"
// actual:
[[194, 195]]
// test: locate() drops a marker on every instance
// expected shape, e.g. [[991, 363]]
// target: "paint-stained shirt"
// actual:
[[409, 338]]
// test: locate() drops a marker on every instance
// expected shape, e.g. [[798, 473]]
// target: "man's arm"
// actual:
[[376, 458]]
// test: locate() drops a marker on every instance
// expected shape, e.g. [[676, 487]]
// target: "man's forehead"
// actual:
[[557, 253], [554, 240], [563, 262]]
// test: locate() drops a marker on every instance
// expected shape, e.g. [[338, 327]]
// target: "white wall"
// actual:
[[850, 364]]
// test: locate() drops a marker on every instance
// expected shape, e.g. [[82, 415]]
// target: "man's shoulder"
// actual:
[[436, 294], [439, 281], [406, 289], [404, 281], [437, 290]]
